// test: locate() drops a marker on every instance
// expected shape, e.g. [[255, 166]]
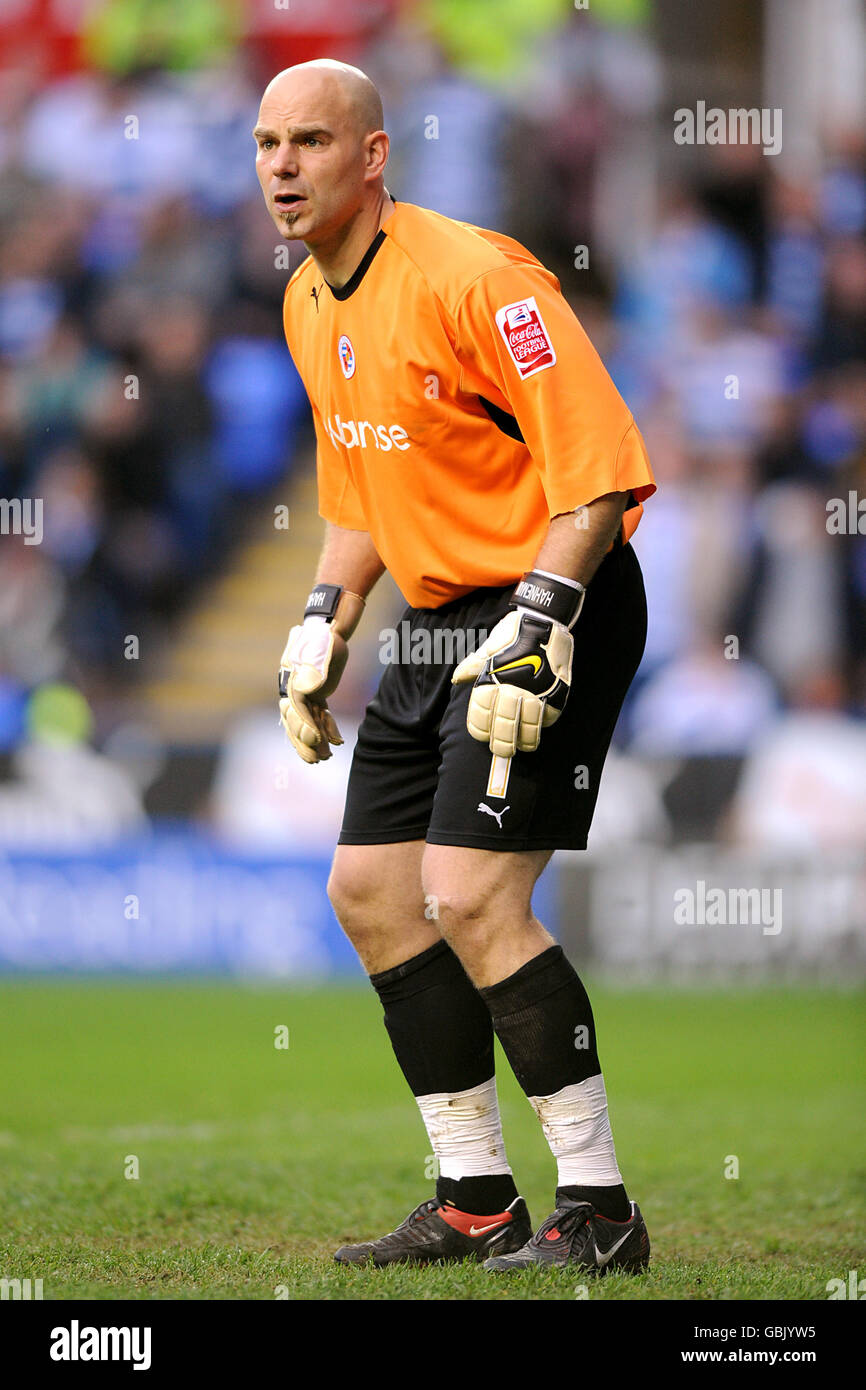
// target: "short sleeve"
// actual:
[[339, 502], [518, 339]]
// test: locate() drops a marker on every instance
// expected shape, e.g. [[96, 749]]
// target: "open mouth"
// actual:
[[288, 200]]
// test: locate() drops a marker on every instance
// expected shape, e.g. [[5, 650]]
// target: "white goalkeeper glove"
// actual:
[[311, 666], [522, 673]]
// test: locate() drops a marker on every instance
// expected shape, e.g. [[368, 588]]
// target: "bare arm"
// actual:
[[349, 558], [577, 541]]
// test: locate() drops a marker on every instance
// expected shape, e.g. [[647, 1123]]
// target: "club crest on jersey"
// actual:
[[526, 337], [346, 353]]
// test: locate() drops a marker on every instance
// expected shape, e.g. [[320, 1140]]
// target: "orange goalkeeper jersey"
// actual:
[[458, 404]]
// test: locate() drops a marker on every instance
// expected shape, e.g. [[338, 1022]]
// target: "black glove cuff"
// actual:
[[551, 597], [323, 600]]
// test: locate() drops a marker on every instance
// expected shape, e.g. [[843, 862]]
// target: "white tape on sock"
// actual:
[[465, 1131], [577, 1128]]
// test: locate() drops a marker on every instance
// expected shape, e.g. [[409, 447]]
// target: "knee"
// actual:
[[476, 917], [353, 899], [464, 913], [350, 895], [372, 901], [376, 897]]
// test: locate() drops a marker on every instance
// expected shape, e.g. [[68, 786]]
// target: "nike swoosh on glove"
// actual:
[[522, 677], [310, 669]]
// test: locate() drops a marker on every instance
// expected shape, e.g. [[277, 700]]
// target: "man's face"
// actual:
[[310, 158]]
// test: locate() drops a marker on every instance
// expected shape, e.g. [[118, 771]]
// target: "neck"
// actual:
[[338, 259]]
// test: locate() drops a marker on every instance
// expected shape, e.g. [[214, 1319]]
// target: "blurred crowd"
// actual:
[[146, 394]]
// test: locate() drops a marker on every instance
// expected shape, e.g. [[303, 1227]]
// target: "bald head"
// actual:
[[339, 87], [322, 154]]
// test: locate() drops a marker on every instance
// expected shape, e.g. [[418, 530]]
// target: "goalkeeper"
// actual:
[[470, 442]]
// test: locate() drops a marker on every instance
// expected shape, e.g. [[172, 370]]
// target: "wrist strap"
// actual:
[[338, 606], [551, 596], [323, 600]]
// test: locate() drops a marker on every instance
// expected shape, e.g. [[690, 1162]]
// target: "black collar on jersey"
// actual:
[[354, 280]]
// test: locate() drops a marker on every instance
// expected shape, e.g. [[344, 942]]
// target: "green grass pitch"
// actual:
[[254, 1162]]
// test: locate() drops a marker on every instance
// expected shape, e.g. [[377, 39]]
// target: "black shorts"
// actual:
[[417, 774]]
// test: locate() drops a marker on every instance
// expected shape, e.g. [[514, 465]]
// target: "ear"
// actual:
[[378, 149]]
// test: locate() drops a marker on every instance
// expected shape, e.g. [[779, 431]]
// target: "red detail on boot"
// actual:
[[470, 1224]]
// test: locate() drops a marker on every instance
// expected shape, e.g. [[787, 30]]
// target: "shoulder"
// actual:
[[452, 257]]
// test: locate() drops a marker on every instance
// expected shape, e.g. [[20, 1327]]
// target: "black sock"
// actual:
[[486, 1195], [541, 1013], [537, 1012], [611, 1202], [442, 1036], [439, 1026]]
